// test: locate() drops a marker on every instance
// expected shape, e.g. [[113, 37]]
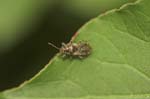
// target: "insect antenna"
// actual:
[[53, 46]]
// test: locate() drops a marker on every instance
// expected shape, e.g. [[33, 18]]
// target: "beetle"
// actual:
[[80, 50]]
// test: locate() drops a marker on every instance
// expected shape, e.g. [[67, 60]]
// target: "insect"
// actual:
[[80, 50]]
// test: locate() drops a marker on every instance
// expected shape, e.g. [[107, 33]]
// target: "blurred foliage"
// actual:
[[27, 26], [90, 8], [17, 17]]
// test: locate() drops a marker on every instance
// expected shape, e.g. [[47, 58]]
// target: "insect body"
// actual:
[[80, 49]]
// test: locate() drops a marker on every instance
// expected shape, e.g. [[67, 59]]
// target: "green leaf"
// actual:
[[118, 68]]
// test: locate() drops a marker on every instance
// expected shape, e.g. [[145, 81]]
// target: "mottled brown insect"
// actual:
[[80, 50]]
